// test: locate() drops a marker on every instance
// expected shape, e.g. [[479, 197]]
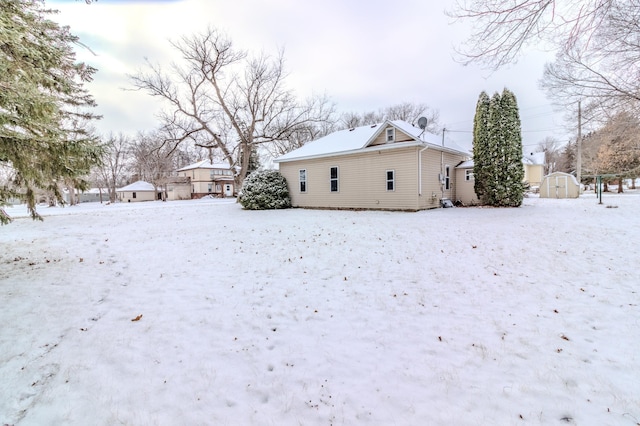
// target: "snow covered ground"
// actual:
[[473, 316]]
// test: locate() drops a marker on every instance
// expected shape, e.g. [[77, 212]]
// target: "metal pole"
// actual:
[[579, 149]]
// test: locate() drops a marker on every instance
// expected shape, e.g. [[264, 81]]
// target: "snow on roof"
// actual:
[[465, 165], [340, 141], [526, 160], [534, 158], [205, 164], [357, 138], [137, 186]]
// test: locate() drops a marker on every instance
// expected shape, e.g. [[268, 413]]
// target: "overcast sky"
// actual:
[[363, 55]]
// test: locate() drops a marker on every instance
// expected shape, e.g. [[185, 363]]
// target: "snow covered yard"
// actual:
[[447, 317]]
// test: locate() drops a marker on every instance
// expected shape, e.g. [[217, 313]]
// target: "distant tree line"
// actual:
[[612, 151], [220, 102]]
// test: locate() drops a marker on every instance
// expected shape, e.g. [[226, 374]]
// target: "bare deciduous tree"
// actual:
[[114, 163], [597, 45], [406, 111], [152, 157], [222, 98], [502, 28], [551, 148], [619, 147], [603, 69]]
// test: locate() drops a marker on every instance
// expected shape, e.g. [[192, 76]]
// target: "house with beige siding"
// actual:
[[534, 169], [208, 178], [387, 166], [138, 191]]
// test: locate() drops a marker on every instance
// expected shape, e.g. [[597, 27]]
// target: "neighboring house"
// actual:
[[138, 191], [559, 185], [88, 196], [388, 166], [533, 169], [177, 187], [209, 178]]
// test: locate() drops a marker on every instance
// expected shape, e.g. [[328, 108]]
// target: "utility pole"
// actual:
[[579, 149]]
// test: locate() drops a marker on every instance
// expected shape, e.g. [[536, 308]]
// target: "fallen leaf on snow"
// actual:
[[137, 318]]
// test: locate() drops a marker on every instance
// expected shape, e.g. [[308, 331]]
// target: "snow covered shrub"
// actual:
[[265, 189]]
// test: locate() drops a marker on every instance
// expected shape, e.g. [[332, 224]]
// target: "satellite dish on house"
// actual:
[[422, 122]]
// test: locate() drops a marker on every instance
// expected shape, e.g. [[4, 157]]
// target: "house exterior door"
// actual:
[[228, 191]]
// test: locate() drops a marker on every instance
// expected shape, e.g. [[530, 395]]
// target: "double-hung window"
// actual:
[[468, 174], [391, 134], [447, 178], [391, 180], [333, 179], [303, 180]]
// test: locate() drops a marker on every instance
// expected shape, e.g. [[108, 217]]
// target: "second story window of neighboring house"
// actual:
[[303, 180], [391, 134], [468, 174], [447, 177], [333, 179]]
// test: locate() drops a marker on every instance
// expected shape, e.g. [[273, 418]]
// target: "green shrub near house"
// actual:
[[265, 189]]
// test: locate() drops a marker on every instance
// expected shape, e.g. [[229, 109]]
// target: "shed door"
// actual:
[[561, 190]]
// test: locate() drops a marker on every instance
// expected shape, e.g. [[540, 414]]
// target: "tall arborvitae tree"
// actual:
[[43, 141], [494, 151], [511, 172], [481, 159], [497, 149]]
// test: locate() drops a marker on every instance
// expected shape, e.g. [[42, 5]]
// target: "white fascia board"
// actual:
[[355, 151]]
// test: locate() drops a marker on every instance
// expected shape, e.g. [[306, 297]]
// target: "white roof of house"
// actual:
[[534, 158], [139, 186], [205, 164], [359, 138], [465, 165], [525, 160]]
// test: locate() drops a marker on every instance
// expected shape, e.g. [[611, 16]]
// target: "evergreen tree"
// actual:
[[497, 149], [493, 151], [43, 141], [254, 160], [512, 173], [265, 189], [481, 159]]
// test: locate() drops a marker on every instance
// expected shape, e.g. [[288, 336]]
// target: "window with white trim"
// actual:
[[391, 180], [447, 178], [391, 134], [303, 180], [468, 174], [333, 179]]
